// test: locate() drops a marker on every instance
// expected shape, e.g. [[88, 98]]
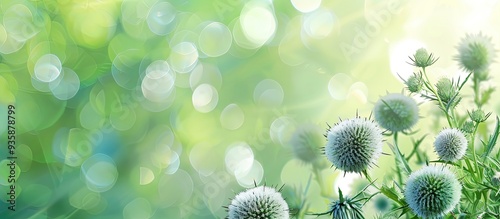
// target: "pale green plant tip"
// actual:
[[414, 83], [475, 53], [396, 112], [422, 58], [447, 92], [477, 115], [432, 192], [353, 145], [468, 127]]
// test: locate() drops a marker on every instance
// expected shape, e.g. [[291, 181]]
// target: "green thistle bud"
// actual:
[[468, 127], [259, 202], [495, 180], [354, 144], [306, 142], [396, 112], [450, 145], [446, 91], [432, 192], [346, 207], [414, 84], [477, 115], [422, 59], [476, 53]]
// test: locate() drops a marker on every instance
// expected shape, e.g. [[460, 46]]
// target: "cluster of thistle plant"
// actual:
[[464, 182]]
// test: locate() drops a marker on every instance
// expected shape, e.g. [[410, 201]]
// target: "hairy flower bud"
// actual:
[[414, 84], [447, 92]]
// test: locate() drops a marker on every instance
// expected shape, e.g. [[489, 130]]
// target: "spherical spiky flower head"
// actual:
[[478, 115], [476, 53], [468, 127], [414, 83], [432, 191], [354, 144], [422, 59], [346, 209], [258, 202], [396, 112], [450, 144], [447, 92], [306, 142]]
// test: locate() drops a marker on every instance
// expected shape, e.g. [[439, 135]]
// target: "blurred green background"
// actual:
[[167, 109]]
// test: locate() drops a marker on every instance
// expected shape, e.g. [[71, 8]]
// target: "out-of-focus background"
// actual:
[[167, 109]]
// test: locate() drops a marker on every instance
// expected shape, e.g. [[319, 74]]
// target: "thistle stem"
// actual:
[[431, 87], [398, 171], [319, 179]]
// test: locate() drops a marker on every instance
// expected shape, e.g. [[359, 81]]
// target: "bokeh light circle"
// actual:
[[252, 177], [232, 117], [268, 93], [66, 85], [138, 208], [306, 6], [205, 98], [48, 68], [339, 85], [175, 189], [159, 81], [215, 39], [258, 23], [162, 18], [184, 57], [319, 24], [99, 172], [239, 158]]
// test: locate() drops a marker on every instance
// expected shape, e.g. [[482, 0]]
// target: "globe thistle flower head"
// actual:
[[478, 115], [258, 202], [353, 145], [450, 145], [306, 142], [414, 83], [468, 127], [447, 92], [396, 112], [432, 192], [495, 180], [476, 53], [422, 59]]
